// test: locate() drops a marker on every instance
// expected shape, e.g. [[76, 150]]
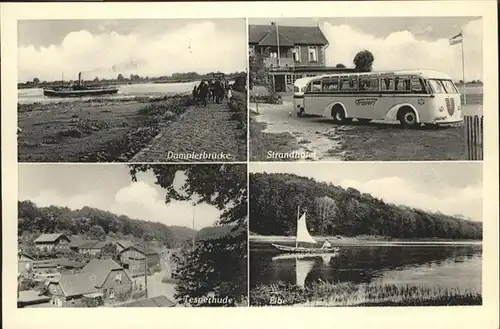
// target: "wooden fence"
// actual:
[[473, 125]]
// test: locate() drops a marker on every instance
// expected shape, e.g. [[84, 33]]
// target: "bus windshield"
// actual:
[[442, 86]]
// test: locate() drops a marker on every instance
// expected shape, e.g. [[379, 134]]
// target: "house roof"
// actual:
[[159, 301], [100, 269], [149, 251], [271, 39], [78, 283], [31, 296], [89, 244], [305, 35], [124, 243], [51, 237], [77, 241], [27, 255]]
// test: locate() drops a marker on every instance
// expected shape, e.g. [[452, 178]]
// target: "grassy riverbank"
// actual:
[[349, 294], [96, 130]]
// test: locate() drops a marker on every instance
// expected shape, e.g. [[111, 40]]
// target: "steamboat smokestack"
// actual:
[[79, 78]]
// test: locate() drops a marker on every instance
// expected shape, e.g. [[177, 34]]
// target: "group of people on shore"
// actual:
[[213, 91]]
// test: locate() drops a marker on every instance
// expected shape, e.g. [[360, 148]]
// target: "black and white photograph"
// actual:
[[132, 235], [366, 88], [128, 90], [378, 234]]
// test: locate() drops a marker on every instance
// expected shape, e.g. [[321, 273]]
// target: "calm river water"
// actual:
[[33, 95], [430, 265]]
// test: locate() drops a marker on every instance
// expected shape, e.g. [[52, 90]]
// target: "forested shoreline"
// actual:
[[333, 210]]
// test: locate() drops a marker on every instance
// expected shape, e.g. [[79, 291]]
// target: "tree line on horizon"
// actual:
[[333, 210], [135, 78]]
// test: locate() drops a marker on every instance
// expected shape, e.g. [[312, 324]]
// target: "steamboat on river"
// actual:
[[79, 90]]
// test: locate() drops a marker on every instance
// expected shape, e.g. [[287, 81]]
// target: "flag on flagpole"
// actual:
[[456, 39]]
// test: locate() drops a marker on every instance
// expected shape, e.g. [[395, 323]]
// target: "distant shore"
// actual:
[[365, 240]]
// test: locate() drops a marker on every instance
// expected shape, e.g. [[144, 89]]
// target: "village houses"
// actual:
[[133, 257], [101, 279], [52, 241]]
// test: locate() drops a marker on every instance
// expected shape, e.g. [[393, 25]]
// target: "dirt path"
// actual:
[[200, 129], [316, 136]]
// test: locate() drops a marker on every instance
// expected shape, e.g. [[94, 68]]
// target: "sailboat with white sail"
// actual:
[[304, 236]]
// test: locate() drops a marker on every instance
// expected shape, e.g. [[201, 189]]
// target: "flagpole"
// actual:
[[463, 67], [278, 43], [296, 235]]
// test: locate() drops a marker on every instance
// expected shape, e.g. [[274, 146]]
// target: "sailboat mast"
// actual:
[[296, 235]]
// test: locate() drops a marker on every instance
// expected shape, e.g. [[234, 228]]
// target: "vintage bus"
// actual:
[[412, 97]]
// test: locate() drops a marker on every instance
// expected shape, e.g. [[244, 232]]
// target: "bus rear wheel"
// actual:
[[407, 117], [338, 114]]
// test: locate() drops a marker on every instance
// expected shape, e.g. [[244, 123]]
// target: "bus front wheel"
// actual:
[[338, 114], [408, 117]]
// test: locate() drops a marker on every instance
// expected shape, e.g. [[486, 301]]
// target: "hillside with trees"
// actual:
[[182, 233], [333, 210], [90, 222]]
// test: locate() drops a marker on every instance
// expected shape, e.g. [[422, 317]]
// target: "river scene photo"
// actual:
[[35, 95], [434, 267], [327, 235]]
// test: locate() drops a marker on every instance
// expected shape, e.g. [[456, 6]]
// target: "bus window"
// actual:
[[449, 87], [402, 84], [344, 84], [368, 83], [436, 86], [416, 85], [387, 84], [331, 84], [315, 86], [353, 83]]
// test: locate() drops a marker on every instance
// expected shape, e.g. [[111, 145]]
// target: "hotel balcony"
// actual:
[[283, 64]]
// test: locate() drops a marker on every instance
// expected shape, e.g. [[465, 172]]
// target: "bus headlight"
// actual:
[[441, 109]]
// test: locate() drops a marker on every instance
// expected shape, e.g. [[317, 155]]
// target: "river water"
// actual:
[[432, 266], [34, 95]]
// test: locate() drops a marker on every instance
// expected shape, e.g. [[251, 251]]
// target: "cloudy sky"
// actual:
[[109, 187], [48, 48], [401, 42], [451, 188]]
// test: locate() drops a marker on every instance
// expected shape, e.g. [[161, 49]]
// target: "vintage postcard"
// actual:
[[367, 234], [104, 235], [132, 90], [250, 165], [366, 88]]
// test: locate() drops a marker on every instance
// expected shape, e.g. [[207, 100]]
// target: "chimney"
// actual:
[[79, 78]]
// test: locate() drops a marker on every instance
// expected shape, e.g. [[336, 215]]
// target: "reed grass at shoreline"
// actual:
[[349, 294]]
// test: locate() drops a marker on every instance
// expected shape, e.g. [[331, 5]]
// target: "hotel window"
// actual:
[[296, 54], [313, 54]]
